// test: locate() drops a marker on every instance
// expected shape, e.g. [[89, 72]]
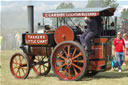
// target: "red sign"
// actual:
[[79, 14], [36, 39]]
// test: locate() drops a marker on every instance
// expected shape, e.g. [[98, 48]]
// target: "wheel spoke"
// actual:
[[61, 56], [64, 71], [81, 61], [60, 61], [15, 63], [69, 73], [43, 57], [45, 66], [65, 52], [40, 69], [19, 73], [58, 68], [23, 71], [74, 52], [20, 58], [77, 56], [16, 67], [69, 50], [77, 66], [46, 62], [38, 58], [15, 60], [75, 71], [24, 63]]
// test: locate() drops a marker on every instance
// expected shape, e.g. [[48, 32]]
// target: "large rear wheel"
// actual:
[[69, 60]]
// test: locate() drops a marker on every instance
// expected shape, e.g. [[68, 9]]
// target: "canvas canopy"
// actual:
[[81, 12]]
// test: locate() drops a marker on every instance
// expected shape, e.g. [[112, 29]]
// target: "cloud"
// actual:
[[14, 15]]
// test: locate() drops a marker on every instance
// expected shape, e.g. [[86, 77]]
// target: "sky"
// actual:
[[14, 12]]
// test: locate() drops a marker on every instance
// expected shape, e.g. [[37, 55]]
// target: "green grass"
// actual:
[[103, 78]]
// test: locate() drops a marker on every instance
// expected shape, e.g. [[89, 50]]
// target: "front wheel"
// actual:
[[69, 61], [20, 66]]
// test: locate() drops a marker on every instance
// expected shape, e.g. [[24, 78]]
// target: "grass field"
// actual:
[[104, 78]]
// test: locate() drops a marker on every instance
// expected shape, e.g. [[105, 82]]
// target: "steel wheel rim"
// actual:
[[19, 69], [74, 68]]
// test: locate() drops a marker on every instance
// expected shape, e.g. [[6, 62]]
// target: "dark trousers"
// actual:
[[85, 39]]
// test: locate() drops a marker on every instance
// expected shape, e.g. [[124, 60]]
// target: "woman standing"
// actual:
[[125, 37]]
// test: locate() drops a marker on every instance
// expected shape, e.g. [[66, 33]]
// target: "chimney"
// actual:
[[30, 18]]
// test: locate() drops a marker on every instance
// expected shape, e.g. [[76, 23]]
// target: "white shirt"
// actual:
[[126, 44]]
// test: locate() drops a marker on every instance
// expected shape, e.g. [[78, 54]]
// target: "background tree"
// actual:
[[124, 13], [102, 3], [95, 3], [124, 19], [111, 3], [63, 5]]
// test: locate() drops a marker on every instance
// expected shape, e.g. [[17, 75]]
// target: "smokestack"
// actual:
[[31, 18]]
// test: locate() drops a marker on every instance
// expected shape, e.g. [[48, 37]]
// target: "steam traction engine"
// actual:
[[60, 48]]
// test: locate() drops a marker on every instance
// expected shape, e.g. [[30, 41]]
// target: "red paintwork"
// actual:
[[61, 74], [100, 40], [95, 65], [63, 33], [36, 39], [16, 64], [99, 54], [78, 14]]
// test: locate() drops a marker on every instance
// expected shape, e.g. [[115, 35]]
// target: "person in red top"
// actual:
[[119, 46]]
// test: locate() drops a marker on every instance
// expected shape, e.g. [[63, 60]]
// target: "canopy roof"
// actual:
[[81, 12]]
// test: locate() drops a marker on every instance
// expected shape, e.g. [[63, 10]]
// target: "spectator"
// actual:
[[18, 40], [119, 46], [125, 37]]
